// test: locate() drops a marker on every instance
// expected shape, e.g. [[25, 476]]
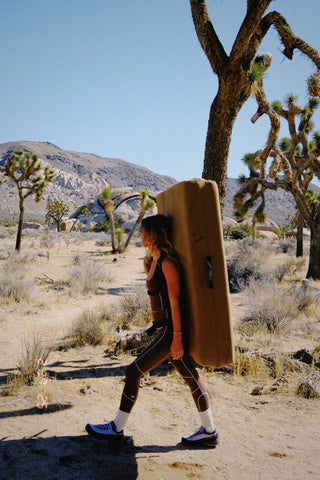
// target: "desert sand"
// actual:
[[266, 437]]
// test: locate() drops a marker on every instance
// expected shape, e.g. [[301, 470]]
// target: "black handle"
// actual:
[[210, 272]]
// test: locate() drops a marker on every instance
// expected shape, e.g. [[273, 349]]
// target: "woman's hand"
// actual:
[[177, 347], [147, 264]]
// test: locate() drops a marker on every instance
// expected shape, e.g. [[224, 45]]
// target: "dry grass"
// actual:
[[270, 307], [89, 329], [87, 276], [250, 259], [120, 328], [32, 360], [15, 284], [309, 386], [134, 310]]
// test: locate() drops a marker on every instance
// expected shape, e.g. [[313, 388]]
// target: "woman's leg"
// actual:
[[153, 356], [185, 366]]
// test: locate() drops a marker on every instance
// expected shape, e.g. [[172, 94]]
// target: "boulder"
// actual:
[[33, 225], [67, 225], [227, 221], [266, 235]]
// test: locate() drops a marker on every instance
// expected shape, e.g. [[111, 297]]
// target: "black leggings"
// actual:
[[154, 355]]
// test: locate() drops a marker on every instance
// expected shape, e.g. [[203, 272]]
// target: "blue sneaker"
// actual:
[[105, 430], [202, 437]]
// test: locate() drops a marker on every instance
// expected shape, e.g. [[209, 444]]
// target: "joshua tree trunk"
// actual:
[[299, 250], [108, 208], [223, 113], [19, 232], [314, 257], [138, 221], [113, 235]]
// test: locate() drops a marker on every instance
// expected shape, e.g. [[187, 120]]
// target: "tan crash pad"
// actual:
[[194, 209]]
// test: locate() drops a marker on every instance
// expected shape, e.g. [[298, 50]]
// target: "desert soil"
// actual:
[[267, 437]]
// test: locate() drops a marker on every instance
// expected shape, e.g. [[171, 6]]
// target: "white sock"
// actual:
[[206, 420], [121, 420]]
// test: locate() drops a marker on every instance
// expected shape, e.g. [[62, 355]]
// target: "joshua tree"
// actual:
[[56, 210], [108, 200], [23, 168], [145, 203], [108, 208], [234, 75], [294, 164]]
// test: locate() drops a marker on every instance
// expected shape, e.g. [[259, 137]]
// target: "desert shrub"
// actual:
[[48, 241], [265, 365], [4, 233], [306, 297], [249, 364], [287, 246], [134, 310], [87, 276], [128, 322], [309, 386], [249, 260], [289, 266], [101, 226], [15, 285], [242, 230], [32, 359], [89, 328], [102, 239], [269, 306], [121, 328]]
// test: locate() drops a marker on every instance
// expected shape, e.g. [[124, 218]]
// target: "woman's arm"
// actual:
[[172, 277]]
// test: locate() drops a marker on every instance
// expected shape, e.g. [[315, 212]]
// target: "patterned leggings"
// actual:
[[154, 355]]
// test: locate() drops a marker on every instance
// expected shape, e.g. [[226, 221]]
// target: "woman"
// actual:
[[163, 285]]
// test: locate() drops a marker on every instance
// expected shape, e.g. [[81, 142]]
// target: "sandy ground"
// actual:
[[269, 437]]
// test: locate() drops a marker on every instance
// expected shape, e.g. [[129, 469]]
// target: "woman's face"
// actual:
[[145, 238]]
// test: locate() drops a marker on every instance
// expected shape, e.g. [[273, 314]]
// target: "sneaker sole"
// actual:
[[103, 435], [204, 442]]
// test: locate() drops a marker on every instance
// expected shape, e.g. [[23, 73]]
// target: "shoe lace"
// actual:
[[105, 426], [200, 430]]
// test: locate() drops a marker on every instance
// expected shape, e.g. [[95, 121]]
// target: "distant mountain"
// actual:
[[80, 177]]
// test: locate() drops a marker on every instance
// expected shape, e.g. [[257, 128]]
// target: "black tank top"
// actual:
[[158, 292]]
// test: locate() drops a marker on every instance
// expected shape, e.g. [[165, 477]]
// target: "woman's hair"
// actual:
[[160, 228]]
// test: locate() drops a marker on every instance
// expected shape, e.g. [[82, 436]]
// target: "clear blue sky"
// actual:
[[128, 78]]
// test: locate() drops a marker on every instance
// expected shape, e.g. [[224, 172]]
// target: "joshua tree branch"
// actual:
[[207, 36]]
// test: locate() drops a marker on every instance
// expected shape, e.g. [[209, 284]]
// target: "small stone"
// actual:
[[257, 390]]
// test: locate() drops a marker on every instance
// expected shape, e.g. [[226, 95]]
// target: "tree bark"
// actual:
[[19, 232], [223, 113], [299, 249], [314, 257]]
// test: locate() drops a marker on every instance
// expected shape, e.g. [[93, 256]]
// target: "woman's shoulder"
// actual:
[[170, 263]]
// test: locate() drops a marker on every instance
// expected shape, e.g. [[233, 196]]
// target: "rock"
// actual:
[[304, 356], [257, 390], [67, 225], [227, 221], [268, 226], [267, 235], [33, 225]]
